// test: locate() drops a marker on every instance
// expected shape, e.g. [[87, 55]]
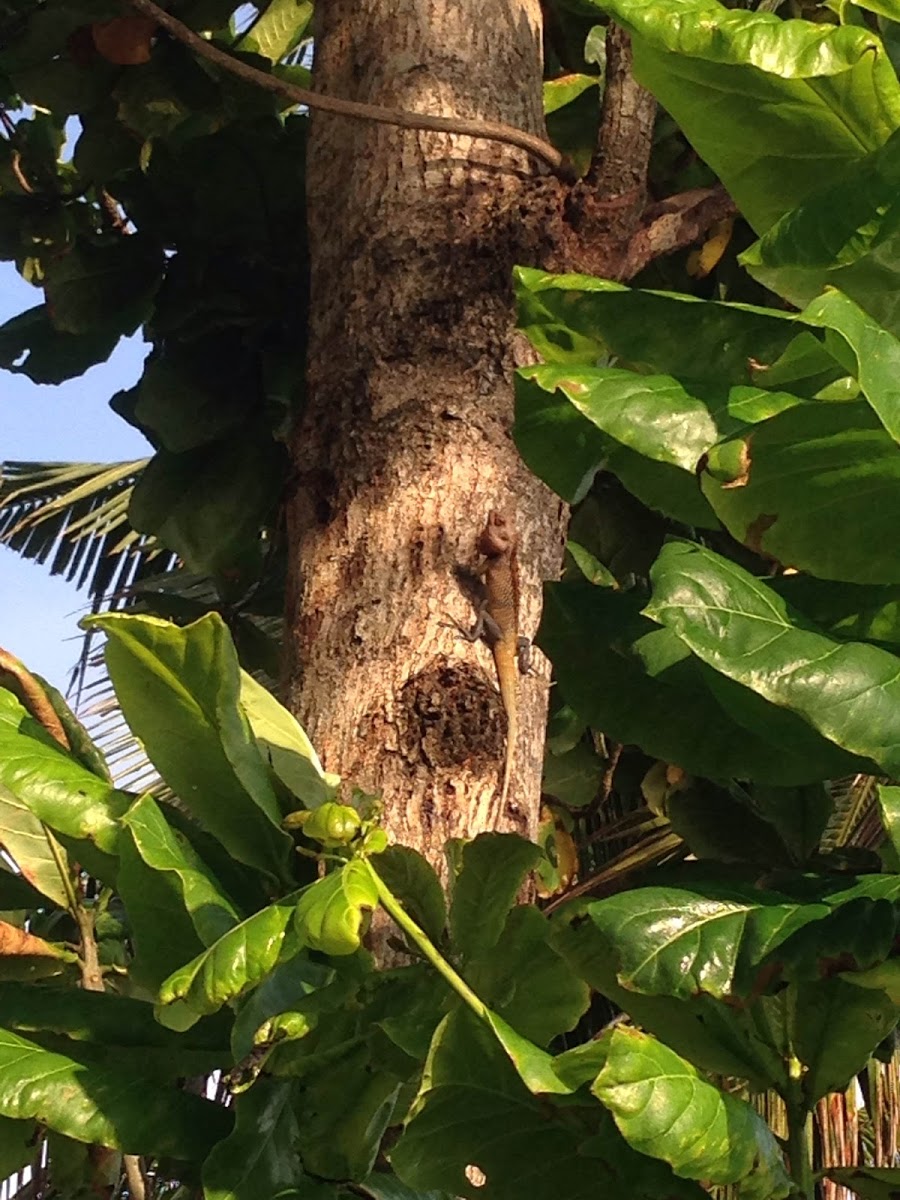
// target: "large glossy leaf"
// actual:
[[848, 691], [816, 489], [414, 882], [869, 1183], [581, 319], [679, 942], [664, 1107], [180, 691], [641, 685], [282, 26], [259, 1157], [525, 980], [30, 345], [493, 869], [112, 1106], [345, 1110], [237, 962], [101, 1017], [557, 442], [715, 1036], [469, 1088], [17, 1144], [27, 841], [844, 233], [284, 990], [37, 774], [331, 912], [163, 850], [821, 95], [175, 906], [285, 746], [653, 414], [208, 504], [835, 1028], [103, 289], [872, 350], [857, 612]]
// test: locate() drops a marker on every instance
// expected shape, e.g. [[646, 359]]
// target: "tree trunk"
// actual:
[[404, 445]]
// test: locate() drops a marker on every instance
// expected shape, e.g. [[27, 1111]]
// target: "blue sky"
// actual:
[[71, 422]]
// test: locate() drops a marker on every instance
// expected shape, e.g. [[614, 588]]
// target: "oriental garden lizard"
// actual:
[[498, 624]]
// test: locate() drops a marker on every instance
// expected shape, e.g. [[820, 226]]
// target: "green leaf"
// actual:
[[572, 112], [30, 345], [800, 815], [344, 1112], [175, 906], [889, 803], [15, 890], [191, 396], [330, 913], [18, 1144], [849, 692], [557, 442], [526, 982], [664, 1107], [37, 774], [715, 824], [180, 689], [579, 319], [822, 95], [259, 1157], [821, 484], [855, 612], [81, 745], [874, 352], [27, 841], [238, 961], [652, 414], [163, 850], [844, 233], [101, 1017], [283, 990], [110, 1106], [574, 776], [662, 487], [494, 866], [103, 289], [281, 28], [284, 745], [208, 504], [411, 878], [470, 1087], [641, 685], [533, 1065], [834, 1030], [382, 1185], [869, 1183], [678, 942], [717, 1037]]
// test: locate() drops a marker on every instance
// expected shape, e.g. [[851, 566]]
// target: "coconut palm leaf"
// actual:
[[74, 517]]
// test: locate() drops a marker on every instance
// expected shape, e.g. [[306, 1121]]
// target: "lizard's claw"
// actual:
[[471, 635]]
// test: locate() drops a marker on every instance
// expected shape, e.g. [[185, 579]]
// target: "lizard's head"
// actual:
[[498, 535]]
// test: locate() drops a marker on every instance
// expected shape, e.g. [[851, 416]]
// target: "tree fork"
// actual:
[[404, 443]]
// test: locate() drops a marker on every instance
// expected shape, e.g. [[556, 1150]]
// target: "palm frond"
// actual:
[[74, 518]]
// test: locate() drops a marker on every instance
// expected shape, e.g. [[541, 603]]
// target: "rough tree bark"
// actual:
[[404, 445]]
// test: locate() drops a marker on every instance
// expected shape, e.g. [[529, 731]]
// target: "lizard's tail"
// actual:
[[509, 758]]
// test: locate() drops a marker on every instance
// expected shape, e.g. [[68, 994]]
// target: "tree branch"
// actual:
[[626, 126], [674, 223], [493, 131]]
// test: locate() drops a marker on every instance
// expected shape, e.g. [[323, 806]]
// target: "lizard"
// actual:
[[498, 624]]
